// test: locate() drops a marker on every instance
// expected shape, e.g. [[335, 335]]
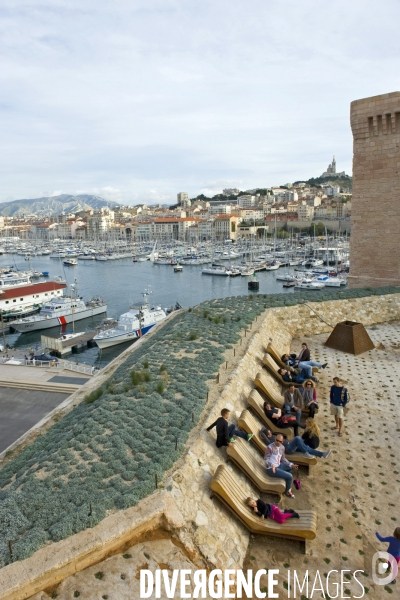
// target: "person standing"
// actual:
[[339, 397], [226, 432]]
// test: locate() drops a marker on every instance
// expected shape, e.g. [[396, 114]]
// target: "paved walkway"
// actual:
[[22, 409]]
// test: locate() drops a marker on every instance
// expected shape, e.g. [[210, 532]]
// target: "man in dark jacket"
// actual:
[[293, 402], [339, 397], [226, 432], [292, 377]]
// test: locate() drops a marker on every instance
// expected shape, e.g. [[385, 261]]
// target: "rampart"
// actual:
[[374, 256]]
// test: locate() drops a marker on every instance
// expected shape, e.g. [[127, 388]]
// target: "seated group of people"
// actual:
[[296, 400], [299, 368]]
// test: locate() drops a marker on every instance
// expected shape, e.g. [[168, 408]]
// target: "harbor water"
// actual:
[[121, 282]]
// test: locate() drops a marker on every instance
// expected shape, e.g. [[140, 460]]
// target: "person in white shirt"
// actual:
[[278, 465]]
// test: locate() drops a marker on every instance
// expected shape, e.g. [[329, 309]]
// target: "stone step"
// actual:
[[42, 386]]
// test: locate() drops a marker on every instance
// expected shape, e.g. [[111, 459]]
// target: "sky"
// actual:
[[137, 100]]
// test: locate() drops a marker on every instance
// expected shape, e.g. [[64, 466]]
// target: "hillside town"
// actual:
[[233, 215]]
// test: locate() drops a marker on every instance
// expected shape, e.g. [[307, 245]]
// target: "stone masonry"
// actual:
[[375, 123]]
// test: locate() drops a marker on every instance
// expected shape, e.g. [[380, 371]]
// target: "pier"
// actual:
[[64, 346]]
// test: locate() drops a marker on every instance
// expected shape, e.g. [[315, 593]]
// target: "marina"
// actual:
[[122, 280]]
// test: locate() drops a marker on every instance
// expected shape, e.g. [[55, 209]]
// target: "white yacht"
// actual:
[[272, 266], [131, 325], [329, 281], [70, 262], [216, 270], [309, 284], [287, 277], [60, 311]]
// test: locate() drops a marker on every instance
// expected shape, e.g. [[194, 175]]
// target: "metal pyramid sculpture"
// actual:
[[351, 337]]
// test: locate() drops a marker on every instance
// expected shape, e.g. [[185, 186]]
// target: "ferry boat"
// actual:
[[131, 325], [20, 297], [60, 311]]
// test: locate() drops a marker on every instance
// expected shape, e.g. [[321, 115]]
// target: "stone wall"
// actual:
[[375, 123], [204, 528]]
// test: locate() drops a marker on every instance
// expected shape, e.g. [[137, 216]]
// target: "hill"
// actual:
[[345, 182], [53, 205]]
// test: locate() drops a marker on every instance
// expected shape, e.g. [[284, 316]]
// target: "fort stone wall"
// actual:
[[374, 256]]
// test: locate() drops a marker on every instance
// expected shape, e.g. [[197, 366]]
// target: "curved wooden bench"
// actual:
[[225, 486], [253, 466], [249, 423], [256, 403], [262, 383], [270, 364], [271, 350]]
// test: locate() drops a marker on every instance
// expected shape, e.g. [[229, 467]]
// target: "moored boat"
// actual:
[[131, 325]]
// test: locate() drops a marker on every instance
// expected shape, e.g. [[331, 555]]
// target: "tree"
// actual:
[[318, 227]]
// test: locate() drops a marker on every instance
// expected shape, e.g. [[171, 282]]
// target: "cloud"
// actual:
[[158, 96]]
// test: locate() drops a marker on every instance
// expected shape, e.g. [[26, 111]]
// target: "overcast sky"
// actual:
[[136, 100]]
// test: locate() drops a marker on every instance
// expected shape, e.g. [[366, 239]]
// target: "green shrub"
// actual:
[[93, 396]]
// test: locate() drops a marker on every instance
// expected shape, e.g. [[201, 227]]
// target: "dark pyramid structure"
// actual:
[[350, 337]]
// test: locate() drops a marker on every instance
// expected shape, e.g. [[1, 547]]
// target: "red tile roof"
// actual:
[[33, 288]]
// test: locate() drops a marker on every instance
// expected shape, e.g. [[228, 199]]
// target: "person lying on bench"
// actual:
[[226, 432], [297, 444], [278, 465], [304, 357], [271, 511], [282, 421], [289, 377]]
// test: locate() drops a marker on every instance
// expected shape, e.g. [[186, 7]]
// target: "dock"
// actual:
[[64, 346]]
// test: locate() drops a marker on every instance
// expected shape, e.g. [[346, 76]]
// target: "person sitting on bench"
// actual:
[[226, 432], [271, 511], [302, 361], [312, 433], [282, 421], [309, 395], [278, 465], [297, 444], [293, 401]]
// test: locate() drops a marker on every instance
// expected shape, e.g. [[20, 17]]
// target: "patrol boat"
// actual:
[[132, 325]]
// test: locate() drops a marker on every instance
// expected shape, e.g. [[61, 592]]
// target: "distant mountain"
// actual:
[[53, 205]]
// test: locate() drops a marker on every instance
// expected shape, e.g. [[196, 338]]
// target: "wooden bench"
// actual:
[[250, 424], [270, 364], [263, 383], [271, 350], [256, 403], [226, 488], [253, 466]]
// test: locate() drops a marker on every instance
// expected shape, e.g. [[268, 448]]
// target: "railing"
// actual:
[[62, 364]]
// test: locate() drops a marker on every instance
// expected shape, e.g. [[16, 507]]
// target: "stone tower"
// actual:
[[375, 218]]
